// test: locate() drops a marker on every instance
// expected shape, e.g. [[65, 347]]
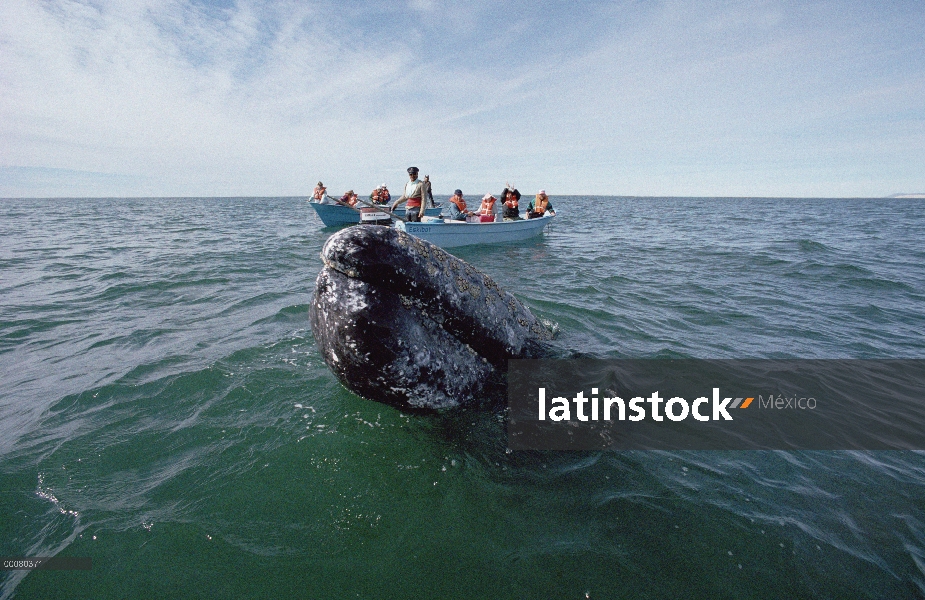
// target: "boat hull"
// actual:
[[452, 234], [334, 215]]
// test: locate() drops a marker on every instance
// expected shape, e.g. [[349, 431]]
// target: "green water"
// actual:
[[164, 411]]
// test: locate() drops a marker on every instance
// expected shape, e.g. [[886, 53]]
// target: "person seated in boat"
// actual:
[[510, 210], [455, 210], [489, 206], [540, 206], [349, 199], [321, 196], [415, 196], [384, 195], [319, 192]]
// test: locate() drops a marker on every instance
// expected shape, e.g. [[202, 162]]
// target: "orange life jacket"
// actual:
[[488, 206], [459, 202], [540, 204], [318, 194], [511, 202]]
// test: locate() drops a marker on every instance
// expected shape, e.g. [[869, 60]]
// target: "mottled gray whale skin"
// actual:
[[401, 321]]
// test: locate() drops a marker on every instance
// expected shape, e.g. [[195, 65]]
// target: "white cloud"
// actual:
[[677, 98]]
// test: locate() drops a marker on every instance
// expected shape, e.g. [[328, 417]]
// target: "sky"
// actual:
[[653, 98]]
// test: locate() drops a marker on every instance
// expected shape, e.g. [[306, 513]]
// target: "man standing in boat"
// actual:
[[415, 196], [430, 193]]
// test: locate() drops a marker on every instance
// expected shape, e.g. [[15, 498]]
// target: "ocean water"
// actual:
[[164, 411]]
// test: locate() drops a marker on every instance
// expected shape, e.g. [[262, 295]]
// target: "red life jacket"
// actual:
[[488, 206]]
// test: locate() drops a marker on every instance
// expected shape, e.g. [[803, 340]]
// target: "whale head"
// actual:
[[401, 321]]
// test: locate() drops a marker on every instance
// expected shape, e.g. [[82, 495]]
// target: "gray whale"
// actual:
[[401, 321]]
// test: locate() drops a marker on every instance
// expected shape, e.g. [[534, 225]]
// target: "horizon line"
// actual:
[[907, 196]]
